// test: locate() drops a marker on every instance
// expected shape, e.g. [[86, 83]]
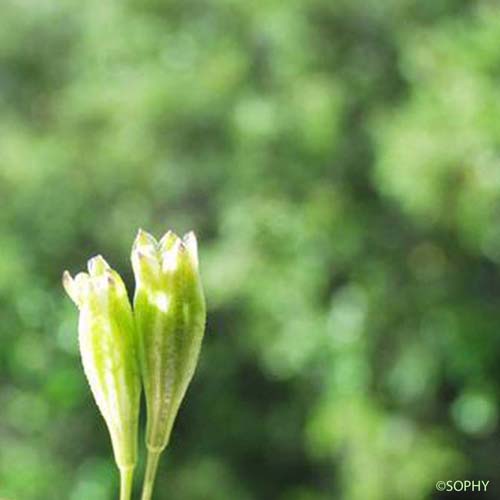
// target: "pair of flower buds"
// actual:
[[154, 345]]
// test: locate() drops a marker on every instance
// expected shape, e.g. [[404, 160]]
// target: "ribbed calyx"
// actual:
[[169, 311], [107, 341]]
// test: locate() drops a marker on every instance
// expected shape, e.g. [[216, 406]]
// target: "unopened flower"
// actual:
[[108, 351], [169, 309]]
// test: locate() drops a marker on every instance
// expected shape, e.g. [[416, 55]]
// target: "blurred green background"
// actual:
[[340, 163]]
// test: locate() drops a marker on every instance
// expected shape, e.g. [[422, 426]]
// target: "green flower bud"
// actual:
[[107, 346], [169, 309]]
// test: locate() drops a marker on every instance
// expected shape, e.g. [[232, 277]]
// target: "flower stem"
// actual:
[[150, 475], [126, 480]]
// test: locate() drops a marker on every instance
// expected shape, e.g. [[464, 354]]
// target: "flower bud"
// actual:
[[169, 309], [107, 346]]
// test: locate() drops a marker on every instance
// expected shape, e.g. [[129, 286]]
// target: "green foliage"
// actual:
[[339, 164]]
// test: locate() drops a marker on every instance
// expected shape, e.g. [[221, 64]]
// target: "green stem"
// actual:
[[150, 475], [126, 480]]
